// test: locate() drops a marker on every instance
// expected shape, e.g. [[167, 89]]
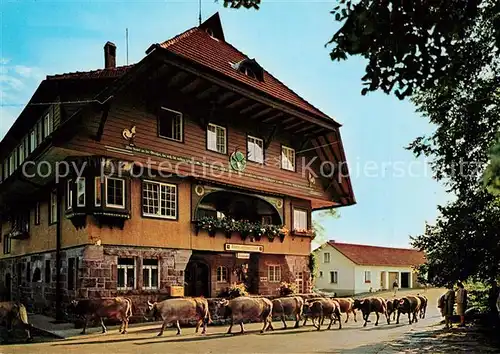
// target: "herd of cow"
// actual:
[[238, 310]]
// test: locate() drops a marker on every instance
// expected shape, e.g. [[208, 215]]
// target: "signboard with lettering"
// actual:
[[241, 255], [243, 248], [263, 278]]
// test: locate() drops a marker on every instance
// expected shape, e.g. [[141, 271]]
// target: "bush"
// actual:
[[235, 290], [287, 288], [477, 296]]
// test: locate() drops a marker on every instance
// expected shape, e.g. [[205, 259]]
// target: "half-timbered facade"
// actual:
[[184, 173]]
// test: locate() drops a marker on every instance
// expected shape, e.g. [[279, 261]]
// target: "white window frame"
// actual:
[[97, 188], [115, 206], [39, 130], [274, 276], [369, 278], [220, 276], [335, 277], [286, 163], [32, 140], [218, 129], [150, 275], [79, 194], [181, 125], [297, 216], [47, 125], [20, 153], [127, 268], [160, 186], [52, 208], [12, 163], [252, 143], [326, 257], [69, 194]]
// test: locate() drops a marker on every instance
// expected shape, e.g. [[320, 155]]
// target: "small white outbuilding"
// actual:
[[349, 269]]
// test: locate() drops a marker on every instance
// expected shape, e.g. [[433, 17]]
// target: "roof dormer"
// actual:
[[250, 68]]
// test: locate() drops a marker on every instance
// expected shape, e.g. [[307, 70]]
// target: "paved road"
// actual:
[[352, 338]]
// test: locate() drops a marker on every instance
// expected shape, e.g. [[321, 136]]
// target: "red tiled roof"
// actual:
[[197, 45], [94, 74], [379, 256]]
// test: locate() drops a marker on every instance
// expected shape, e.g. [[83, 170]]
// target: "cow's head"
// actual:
[[221, 303], [358, 304], [151, 311]]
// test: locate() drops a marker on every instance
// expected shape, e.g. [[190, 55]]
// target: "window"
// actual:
[[19, 273], [267, 220], [115, 193], [28, 272], [97, 191], [326, 257], [170, 124], [274, 273], [6, 169], [6, 244], [368, 276], [47, 271], [334, 277], [255, 149], [37, 213], [150, 273], [321, 274], [126, 273], [12, 163], [248, 72], [222, 274], [299, 282], [20, 153], [69, 194], [32, 140], [216, 138], [159, 200], [287, 158], [48, 125], [71, 273], [300, 219], [26, 145], [80, 192], [53, 217], [39, 131], [37, 275]]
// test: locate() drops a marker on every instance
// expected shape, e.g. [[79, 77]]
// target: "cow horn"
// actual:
[[149, 303]]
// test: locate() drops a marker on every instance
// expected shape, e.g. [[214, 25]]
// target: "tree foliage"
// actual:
[[445, 56]]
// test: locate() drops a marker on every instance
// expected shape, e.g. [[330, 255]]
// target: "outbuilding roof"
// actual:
[[379, 256]]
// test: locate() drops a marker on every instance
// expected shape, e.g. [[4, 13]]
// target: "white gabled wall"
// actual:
[[338, 262], [376, 271]]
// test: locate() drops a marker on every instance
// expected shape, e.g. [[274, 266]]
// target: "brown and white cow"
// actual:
[[423, 305], [321, 308], [409, 305], [247, 308], [288, 306], [347, 307], [112, 307], [14, 313], [173, 310], [369, 305]]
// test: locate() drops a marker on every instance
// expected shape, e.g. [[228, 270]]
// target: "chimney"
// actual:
[[332, 241], [109, 55]]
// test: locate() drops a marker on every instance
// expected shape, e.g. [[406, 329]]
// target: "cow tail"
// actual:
[[23, 314], [208, 318], [128, 313]]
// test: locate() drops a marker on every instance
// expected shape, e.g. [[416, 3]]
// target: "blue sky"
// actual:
[[395, 193]]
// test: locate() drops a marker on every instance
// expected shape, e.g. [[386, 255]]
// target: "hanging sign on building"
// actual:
[[241, 255], [243, 248]]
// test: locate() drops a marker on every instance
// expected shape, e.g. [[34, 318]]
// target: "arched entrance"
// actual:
[[197, 278], [8, 287]]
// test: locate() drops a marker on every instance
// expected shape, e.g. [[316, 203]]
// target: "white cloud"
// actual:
[[17, 84]]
